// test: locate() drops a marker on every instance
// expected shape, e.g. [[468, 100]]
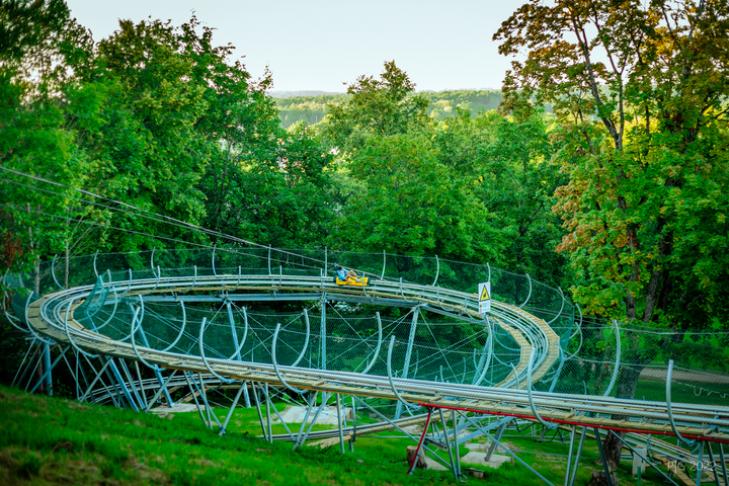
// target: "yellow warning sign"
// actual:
[[484, 294], [484, 298]]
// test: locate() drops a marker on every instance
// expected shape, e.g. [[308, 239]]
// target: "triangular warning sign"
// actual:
[[484, 294]]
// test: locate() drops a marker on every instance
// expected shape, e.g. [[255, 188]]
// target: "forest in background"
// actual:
[[619, 194], [310, 108]]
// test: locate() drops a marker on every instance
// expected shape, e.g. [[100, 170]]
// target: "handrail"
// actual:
[[182, 328], [275, 362], [669, 408], [68, 335], [377, 348], [616, 367], [389, 375], [133, 330], [548, 425], [201, 346]]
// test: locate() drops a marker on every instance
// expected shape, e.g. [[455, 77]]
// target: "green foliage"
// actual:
[[33, 134], [640, 97], [632, 161], [639, 91], [308, 110], [412, 203], [311, 109], [279, 195], [375, 107], [469, 187], [507, 162], [156, 116]]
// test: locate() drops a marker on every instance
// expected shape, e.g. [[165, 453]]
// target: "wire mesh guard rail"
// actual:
[[254, 318]]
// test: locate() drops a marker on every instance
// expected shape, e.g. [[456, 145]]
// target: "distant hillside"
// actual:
[[444, 103], [301, 106], [309, 109], [300, 94]]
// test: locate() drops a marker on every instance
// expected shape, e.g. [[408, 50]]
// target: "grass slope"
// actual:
[[53, 440]]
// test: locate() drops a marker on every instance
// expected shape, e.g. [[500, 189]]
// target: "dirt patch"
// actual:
[[18, 464], [73, 471], [147, 474], [78, 405], [63, 445]]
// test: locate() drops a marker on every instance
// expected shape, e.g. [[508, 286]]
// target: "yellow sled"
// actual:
[[352, 281]]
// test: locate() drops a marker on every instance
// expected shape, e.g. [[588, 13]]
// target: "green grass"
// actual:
[[52, 440]]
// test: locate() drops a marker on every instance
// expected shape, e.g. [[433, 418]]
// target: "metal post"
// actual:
[[232, 408], [420, 442], [141, 385], [268, 413], [723, 464], [443, 422], [258, 410], [437, 271], [603, 457], [713, 464], [162, 388], [492, 446], [135, 392], [47, 371], [323, 333], [339, 424], [208, 408], [456, 449], [699, 464], [353, 437], [212, 260], [408, 353], [569, 456], [123, 385], [93, 382], [304, 434], [233, 331], [246, 398], [578, 453], [25, 363], [155, 368], [193, 391]]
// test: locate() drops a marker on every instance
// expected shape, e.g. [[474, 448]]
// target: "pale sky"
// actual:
[[320, 44]]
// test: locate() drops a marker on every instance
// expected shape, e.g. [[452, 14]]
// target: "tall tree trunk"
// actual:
[[627, 384]]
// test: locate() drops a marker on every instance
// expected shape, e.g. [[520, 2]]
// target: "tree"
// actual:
[[278, 193], [640, 93], [507, 162], [405, 200], [375, 107], [41, 50]]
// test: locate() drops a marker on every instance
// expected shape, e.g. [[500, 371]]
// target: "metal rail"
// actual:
[[534, 336]]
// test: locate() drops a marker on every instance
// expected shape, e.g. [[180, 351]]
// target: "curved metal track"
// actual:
[[52, 316]]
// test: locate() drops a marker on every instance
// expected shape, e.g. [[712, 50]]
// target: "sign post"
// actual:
[[484, 298]]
